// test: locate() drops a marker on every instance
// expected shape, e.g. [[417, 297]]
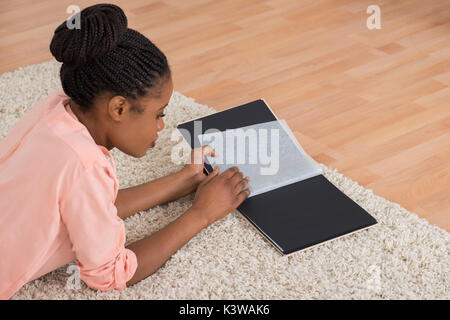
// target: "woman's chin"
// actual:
[[141, 154], [144, 152]]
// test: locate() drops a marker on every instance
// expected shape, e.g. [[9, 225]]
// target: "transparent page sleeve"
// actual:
[[266, 152]]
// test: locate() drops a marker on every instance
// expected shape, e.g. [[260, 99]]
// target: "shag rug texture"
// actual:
[[403, 257]]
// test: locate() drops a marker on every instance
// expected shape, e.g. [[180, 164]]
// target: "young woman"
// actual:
[[59, 197]]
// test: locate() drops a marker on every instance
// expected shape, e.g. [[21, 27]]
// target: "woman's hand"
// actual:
[[218, 195], [194, 169]]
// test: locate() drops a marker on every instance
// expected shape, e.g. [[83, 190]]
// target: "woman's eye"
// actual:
[[161, 115]]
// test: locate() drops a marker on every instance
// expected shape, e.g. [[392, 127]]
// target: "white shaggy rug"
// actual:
[[403, 257]]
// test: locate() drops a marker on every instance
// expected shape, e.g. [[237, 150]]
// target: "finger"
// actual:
[[206, 149], [209, 150], [242, 196], [230, 172], [237, 178], [241, 185], [210, 176]]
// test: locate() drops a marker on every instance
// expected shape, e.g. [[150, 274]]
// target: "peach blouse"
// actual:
[[57, 195]]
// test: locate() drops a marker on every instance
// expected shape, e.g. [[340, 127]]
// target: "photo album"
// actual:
[[291, 204]]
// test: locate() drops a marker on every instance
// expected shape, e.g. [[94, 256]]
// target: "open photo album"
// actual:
[[292, 204]]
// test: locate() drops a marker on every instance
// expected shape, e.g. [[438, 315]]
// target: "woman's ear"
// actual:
[[116, 106], [121, 109]]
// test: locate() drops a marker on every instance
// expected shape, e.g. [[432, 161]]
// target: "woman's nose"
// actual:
[[160, 125]]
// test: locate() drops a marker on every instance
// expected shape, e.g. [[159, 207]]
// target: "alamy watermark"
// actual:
[[73, 282], [74, 21], [374, 20], [239, 144]]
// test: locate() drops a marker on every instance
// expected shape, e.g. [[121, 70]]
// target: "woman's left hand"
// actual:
[[195, 167]]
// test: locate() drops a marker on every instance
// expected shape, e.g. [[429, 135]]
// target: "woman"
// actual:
[[59, 197]]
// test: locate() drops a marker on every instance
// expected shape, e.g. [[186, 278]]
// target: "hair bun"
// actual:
[[102, 26]]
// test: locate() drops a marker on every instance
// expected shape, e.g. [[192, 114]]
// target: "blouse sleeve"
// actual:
[[97, 233]]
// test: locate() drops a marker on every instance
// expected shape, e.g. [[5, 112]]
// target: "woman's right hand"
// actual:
[[218, 195]]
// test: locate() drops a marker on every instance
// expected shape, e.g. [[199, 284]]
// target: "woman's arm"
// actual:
[[156, 192], [153, 251], [216, 197], [166, 189]]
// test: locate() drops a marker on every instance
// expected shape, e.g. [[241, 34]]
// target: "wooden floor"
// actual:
[[375, 104]]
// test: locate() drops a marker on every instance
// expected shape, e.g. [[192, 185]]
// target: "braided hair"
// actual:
[[106, 55]]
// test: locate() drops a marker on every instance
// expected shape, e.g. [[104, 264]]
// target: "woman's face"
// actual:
[[135, 133]]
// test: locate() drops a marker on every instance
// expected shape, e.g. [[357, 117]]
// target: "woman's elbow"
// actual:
[[113, 275]]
